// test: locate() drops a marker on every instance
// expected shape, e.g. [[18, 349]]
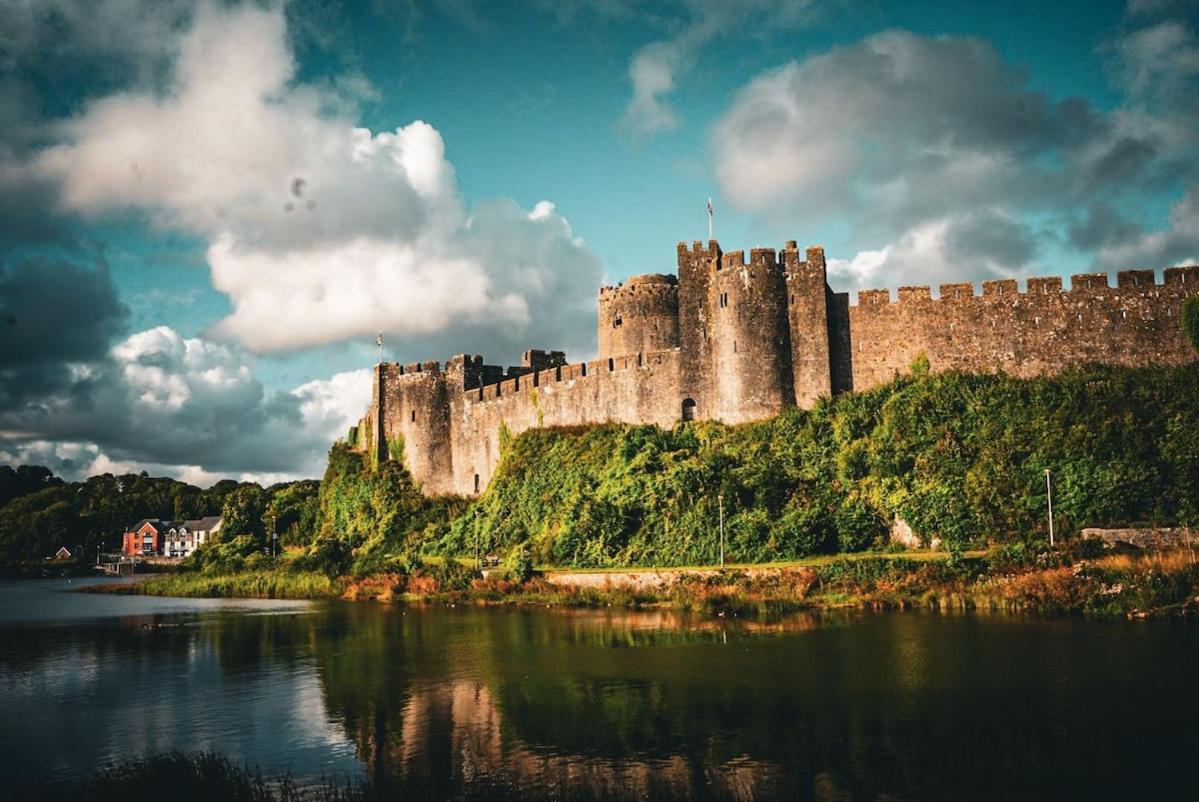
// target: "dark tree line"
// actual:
[[40, 512]]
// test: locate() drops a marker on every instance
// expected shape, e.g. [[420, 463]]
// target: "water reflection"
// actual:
[[473, 702]]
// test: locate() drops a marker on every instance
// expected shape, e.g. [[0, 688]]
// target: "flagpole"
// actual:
[[379, 342], [709, 219]]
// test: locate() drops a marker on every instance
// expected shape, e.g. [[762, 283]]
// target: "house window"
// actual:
[[688, 409]]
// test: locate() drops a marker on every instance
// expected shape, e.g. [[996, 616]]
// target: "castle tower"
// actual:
[[697, 269], [640, 316], [411, 410], [808, 323], [750, 342]]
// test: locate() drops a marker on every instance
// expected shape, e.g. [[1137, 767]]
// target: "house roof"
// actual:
[[205, 524], [158, 524]]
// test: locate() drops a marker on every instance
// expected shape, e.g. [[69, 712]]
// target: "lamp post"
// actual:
[[720, 505], [1049, 496]]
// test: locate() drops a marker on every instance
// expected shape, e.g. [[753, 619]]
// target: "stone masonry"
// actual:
[[738, 339]]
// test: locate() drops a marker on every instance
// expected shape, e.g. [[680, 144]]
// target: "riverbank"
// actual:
[[1157, 584]]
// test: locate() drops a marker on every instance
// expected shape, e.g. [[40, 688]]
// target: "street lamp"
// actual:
[[720, 505], [1049, 496]]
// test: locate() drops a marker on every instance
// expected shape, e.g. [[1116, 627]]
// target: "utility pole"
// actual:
[[1049, 495], [720, 504], [478, 559]]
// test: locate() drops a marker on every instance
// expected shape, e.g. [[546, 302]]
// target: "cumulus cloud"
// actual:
[[937, 152], [656, 68], [982, 244], [1177, 244], [160, 399], [319, 230]]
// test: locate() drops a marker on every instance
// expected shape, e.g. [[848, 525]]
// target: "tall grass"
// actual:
[[276, 584]]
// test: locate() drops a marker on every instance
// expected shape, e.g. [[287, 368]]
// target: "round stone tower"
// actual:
[[639, 316], [751, 346]]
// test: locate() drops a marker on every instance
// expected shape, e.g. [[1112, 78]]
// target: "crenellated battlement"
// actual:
[[648, 284], [1081, 285], [742, 335]]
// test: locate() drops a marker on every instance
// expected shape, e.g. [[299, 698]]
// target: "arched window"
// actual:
[[616, 321], [688, 409]]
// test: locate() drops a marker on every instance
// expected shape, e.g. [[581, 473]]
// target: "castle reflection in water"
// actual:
[[457, 703]]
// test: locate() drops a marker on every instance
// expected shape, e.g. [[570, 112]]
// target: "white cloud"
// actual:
[[1176, 244], [186, 407], [931, 253], [319, 230], [938, 155], [655, 69], [651, 72]]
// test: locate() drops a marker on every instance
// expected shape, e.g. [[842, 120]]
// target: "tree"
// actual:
[[242, 512], [1190, 320]]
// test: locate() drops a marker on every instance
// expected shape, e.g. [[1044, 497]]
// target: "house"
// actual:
[[156, 537], [144, 538], [184, 537]]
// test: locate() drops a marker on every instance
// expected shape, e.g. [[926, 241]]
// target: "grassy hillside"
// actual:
[[961, 457]]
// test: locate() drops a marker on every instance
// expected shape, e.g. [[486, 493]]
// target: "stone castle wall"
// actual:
[[1041, 330], [739, 340]]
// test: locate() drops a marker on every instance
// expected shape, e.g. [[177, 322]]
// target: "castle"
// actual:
[[736, 339]]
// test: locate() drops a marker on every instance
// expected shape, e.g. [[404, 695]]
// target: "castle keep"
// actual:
[[738, 339]]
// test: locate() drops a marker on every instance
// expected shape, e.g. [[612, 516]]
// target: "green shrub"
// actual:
[[1190, 320], [451, 575], [519, 565], [859, 525]]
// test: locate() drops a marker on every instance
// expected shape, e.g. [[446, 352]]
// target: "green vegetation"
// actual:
[[272, 583], [1012, 578], [1190, 320], [959, 457], [40, 512], [1006, 579], [372, 517]]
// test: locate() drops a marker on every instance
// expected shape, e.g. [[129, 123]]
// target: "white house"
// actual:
[[183, 537]]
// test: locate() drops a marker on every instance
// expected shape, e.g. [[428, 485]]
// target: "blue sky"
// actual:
[[243, 193]]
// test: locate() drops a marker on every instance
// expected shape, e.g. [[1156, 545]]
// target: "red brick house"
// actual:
[[144, 538], [156, 537]]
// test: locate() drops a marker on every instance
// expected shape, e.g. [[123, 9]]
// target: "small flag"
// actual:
[[379, 340], [709, 205]]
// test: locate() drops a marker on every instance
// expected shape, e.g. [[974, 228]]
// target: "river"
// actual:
[[452, 702]]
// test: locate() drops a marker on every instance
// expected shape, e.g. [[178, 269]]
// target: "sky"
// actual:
[[209, 209]]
